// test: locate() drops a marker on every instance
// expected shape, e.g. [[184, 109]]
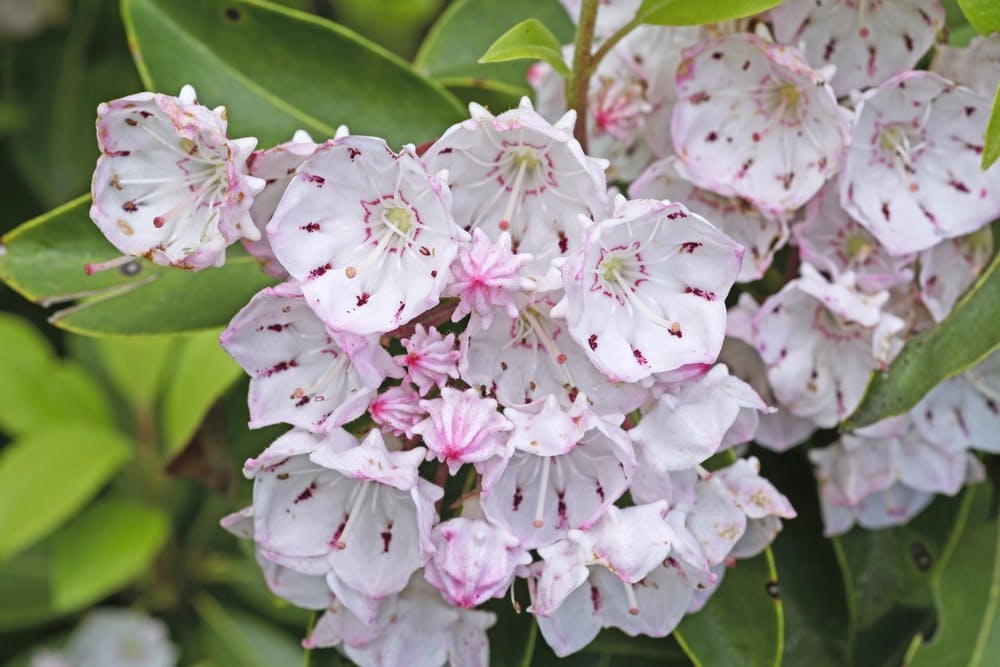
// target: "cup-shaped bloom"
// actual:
[[462, 427], [976, 65], [300, 372], [866, 41], [473, 561], [518, 173], [912, 175], [964, 409], [646, 293], [950, 267], [368, 232], [170, 185], [568, 467], [355, 512], [754, 120]]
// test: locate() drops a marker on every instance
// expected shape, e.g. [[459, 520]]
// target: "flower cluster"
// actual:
[[495, 368]]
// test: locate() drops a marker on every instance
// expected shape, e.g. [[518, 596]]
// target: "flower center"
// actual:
[[619, 273], [399, 219], [858, 247]]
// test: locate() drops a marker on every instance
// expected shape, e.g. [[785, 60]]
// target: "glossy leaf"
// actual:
[[528, 40], [136, 366], [110, 544], [43, 259], [742, 624], [967, 590], [202, 371], [699, 12], [888, 576], [991, 149], [49, 474], [984, 15], [237, 638], [964, 338], [468, 27], [24, 589], [278, 70]]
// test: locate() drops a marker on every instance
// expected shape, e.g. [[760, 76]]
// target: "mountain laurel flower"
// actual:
[[761, 234], [521, 174], [646, 292], [964, 409], [367, 232], [276, 166], [473, 561], [950, 267], [912, 175], [398, 410], [866, 41], [754, 120], [462, 427], [976, 65], [300, 372], [430, 358], [486, 277], [170, 185]]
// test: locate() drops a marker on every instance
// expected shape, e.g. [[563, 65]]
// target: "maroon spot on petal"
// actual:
[[744, 168], [600, 490], [828, 49], [595, 598], [518, 497], [959, 185], [353, 153], [592, 341], [690, 246], [386, 536], [335, 540], [563, 242], [639, 357], [991, 405], [277, 327], [746, 65], [925, 16], [970, 110], [908, 41], [561, 510], [871, 59], [319, 271], [434, 273], [755, 136], [704, 294], [717, 55], [425, 251], [712, 136], [927, 214], [362, 298], [786, 180], [130, 206], [311, 227], [306, 494], [885, 210], [402, 305], [118, 153], [699, 97], [131, 121], [313, 178]]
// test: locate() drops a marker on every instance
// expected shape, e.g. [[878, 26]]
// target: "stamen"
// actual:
[[355, 510], [540, 507], [633, 604], [638, 303], [324, 379], [515, 192], [703, 473], [91, 268]]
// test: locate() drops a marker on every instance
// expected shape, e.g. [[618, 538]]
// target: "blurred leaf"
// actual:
[[43, 259], [494, 95], [528, 40], [49, 474], [967, 590], [991, 150], [699, 12], [137, 365], [315, 74], [237, 638], [202, 371], [984, 15], [963, 339], [888, 575], [24, 590], [741, 624], [111, 543], [38, 389], [468, 27], [395, 24]]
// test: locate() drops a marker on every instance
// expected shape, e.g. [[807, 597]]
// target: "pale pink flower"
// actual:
[[949, 268], [964, 410], [976, 65], [430, 358], [462, 427], [486, 277], [397, 409]]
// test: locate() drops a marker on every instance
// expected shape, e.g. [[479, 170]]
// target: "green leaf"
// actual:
[[494, 95], [237, 638], [107, 546], [49, 474], [967, 590], [991, 149], [136, 366], [888, 575], [984, 15], [468, 27], [38, 389], [202, 372], [24, 589], [963, 339], [43, 259], [528, 40], [278, 70], [742, 624], [699, 12]]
